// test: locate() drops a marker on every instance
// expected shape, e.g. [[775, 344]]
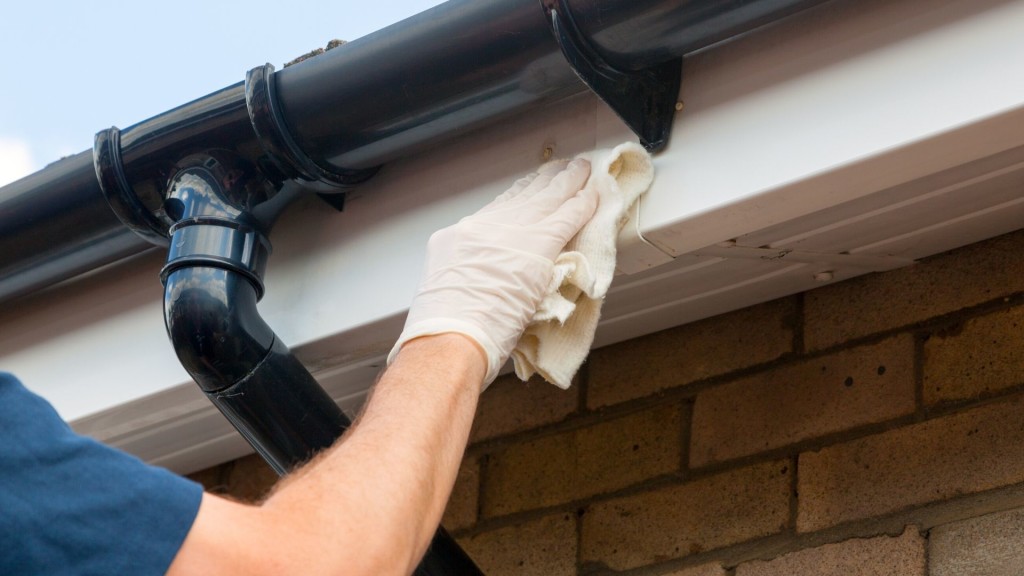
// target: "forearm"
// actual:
[[371, 503], [386, 484]]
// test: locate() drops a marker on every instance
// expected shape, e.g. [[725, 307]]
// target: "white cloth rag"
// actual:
[[557, 340]]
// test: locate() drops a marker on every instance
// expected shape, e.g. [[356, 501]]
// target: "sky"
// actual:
[[71, 68]]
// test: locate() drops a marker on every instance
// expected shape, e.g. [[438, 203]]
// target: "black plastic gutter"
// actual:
[[334, 118], [55, 224]]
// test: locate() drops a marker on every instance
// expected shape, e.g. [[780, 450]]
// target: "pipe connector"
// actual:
[[215, 243], [215, 208]]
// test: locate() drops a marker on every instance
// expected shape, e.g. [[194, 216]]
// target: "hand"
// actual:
[[486, 274]]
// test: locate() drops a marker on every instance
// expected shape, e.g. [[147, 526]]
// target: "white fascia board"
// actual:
[[849, 102], [844, 101]]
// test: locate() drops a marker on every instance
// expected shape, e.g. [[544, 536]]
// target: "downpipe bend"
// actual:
[[248, 373]]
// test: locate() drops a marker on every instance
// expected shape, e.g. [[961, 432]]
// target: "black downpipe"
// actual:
[[458, 66], [223, 210]]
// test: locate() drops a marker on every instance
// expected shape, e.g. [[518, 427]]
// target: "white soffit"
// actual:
[[855, 137]]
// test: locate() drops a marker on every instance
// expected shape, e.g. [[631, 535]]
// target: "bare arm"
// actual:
[[370, 504]]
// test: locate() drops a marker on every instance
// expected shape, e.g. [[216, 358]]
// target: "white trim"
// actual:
[[857, 136]]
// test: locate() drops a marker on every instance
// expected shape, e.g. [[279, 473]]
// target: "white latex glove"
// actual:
[[486, 274]]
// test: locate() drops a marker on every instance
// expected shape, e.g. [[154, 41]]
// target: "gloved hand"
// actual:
[[486, 274]]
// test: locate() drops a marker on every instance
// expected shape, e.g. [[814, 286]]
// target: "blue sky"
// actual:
[[71, 68]]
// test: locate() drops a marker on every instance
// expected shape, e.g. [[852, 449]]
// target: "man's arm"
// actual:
[[371, 503]]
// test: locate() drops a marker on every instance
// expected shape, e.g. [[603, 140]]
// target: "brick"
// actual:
[[510, 405], [976, 358], [685, 354], [556, 469], [250, 478], [213, 479], [687, 519], [247, 479], [702, 570], [461, 511], [880, 556], [544, 547], [989, 545], [869, 304], [928, 462], [851, 388]]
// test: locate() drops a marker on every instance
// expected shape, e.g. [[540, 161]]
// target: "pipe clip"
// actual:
[[644, 99], [218, 243], [106, 161], [275, 138]]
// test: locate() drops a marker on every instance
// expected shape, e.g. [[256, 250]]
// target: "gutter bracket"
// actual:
[[106, 161], [287, 157], [644, 99]]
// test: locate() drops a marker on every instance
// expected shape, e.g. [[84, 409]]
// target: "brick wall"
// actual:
[[873, 427]]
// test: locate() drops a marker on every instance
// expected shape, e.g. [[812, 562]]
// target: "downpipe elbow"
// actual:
[[212, 321]]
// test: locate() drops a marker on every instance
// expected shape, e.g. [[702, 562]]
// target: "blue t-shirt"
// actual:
[[70, 505]]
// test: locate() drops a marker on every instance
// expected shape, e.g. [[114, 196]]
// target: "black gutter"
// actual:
[[55, 224], [456, 67]]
